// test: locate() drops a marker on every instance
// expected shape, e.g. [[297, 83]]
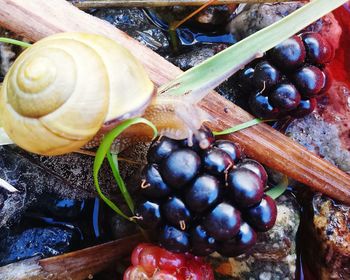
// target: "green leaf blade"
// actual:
[[113, 162], [278, 190], [240, 127], [15, 42], [104, 151]]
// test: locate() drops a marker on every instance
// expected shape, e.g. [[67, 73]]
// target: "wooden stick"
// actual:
[[36, 19], [8, 187], [88, 4], [78, 265]]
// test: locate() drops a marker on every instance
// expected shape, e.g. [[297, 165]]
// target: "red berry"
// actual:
[[165, 275], [170, 261], [136, 252], [196, 269], [149, 259], [135, 272], [159, 264]]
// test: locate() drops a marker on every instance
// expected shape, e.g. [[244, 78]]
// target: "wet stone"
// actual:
[[135, 23], [211, 17], [329, 226], [254, 17], [61, 208], [188, 60], [44, 242]]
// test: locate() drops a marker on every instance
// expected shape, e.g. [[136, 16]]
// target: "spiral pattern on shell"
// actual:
[[60, 91]]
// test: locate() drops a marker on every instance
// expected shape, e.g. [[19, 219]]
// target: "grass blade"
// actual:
[[104, 150], [113, 162], [240, 127], [278, 190], [15, 42]]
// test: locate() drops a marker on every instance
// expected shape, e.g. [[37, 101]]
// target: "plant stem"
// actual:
[[240, 127], [15, 42], [89, 4]]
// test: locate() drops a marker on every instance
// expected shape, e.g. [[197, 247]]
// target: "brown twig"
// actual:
[[93, 154], [178, 24], [88, 4]]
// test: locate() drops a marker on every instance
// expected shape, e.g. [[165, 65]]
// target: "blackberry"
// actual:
[[288, 78], [152, 183], [204, 195], [241, 243], [246, 187], [180, 167], [149, 214], [176, 213]]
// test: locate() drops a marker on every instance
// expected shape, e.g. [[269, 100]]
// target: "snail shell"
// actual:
[[60, 91]]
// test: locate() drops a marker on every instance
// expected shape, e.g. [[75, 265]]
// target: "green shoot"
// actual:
[[278, 190], [15, 42], [240, 127], [103, 152]]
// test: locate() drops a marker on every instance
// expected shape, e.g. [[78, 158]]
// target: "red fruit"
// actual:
[[149, 259], [154, 263], [165, 275], [136, 252], [196, 269], [135, 272], [171, 261]]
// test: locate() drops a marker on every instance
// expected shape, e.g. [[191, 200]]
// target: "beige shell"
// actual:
[[60, 91]]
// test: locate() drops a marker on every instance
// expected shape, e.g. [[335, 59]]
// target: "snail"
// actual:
[[65, 91]]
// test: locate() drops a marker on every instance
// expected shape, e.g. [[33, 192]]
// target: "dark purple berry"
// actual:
[[262, 217], [244, 240], [305, 108], [222, 222], [148, 214], [202, 244], [230, 148], [309, 80], [203, 193], [180, 167], [160, 149], [285, 97], [256, 167], [216, 161], [265, 76], [152, 184], [176, 213], [174, 240], [245, 79], [329, 80], [201, 140], [245, 186], [262, 108], [288, 55], [318, 50]]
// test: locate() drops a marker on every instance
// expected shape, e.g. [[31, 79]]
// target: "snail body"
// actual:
[[60, 92]]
